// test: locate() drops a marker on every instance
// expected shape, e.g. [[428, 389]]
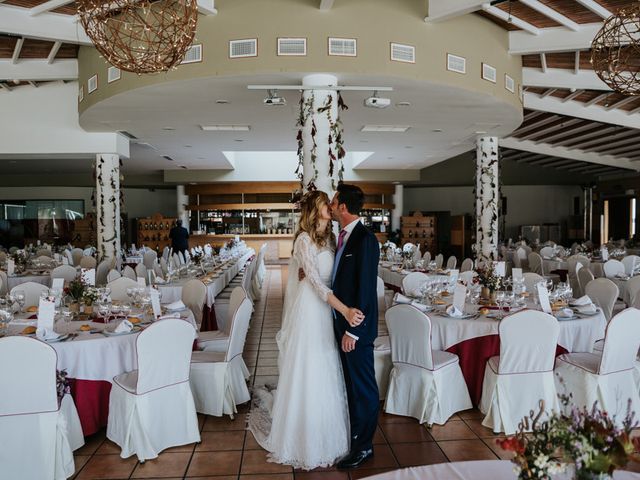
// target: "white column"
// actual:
[[323, 181], [487, 198], [398, 201], [108, 205], [182, 201]]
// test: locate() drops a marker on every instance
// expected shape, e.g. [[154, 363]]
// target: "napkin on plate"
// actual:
[[169, 315], [178, 305], [453, 311], [582, 301], [564, 313], [419, 306], [399, 298], [588, 309], [46, 334], [160, 281], [123, 327]]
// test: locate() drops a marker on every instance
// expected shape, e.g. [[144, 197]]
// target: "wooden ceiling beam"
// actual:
[[552, 14], [597, 99], [48, 6], [535, 124], [569, 131], [621, 102], [518, 22], [595, 7], [561, 123], [615, 136], [571, 96]]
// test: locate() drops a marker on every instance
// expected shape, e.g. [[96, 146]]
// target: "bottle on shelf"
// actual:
[[424, 233], [410, 233]]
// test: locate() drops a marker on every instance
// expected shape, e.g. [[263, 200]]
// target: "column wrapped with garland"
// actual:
[[108, 200], [487, 196]]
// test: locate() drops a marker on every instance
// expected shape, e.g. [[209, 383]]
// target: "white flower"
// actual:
[[541, 461]]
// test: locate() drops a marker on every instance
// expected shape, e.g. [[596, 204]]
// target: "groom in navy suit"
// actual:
[[355, 273]]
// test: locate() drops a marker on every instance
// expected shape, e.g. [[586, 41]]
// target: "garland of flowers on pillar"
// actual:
[[484, 174], [101, 225], [305, 111]]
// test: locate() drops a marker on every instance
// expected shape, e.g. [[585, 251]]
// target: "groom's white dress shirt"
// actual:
[[348, 229]]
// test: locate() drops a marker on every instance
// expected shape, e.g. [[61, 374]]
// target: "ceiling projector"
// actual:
[[377, 102], [274, 99]]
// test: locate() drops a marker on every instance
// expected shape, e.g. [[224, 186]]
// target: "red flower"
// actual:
[[511, 444]]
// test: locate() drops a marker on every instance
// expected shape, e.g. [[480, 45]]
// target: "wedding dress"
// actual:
[[305, 421]]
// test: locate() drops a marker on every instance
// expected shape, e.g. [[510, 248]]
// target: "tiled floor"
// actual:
[[227, 451]]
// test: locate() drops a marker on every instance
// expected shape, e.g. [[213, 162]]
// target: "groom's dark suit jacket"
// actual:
[[355, 283]]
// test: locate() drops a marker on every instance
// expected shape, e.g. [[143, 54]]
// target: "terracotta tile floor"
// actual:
[[227, 451]]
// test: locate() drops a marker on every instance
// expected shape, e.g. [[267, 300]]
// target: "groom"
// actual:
[[354, 283]]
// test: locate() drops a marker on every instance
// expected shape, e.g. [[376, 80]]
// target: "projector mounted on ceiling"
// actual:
[[273, 99], [375, 101]]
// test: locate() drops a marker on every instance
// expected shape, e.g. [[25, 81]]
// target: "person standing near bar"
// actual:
[[179, 237]]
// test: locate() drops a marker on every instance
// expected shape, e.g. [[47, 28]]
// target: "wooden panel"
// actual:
[[284, 248], [32, 48], [70, 9], [529, 15], [24, 3], [7, 45], [573, 10], [275, 187], [506, 25]]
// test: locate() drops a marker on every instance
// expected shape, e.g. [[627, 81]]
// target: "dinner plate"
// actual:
[[562, 319], [461, 317], [114, 334], [57, 339]]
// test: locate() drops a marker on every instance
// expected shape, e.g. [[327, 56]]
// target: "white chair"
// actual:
[[603, 293], [585, 275], [119, 288], [467, 264], [66, 272], [218, 340], [151, 409], [76, 255], [44, 252], [175, 259], [424, 384], [426, 257], [88, 262], [630, 262], [181, 258], [522, 375], [141, 272], [4, 283], [382, 345], [535, 263], [613, 268], [102, 271], [607, 378], [113, 275], [452, 261], [574, 263], [149, 259], [412, 283], [531, 280], [164, 266], [520, 259], [194, 295], [218, 379], [129, 272], [633, 289], [45, 260], [33, 427], [165, 253], [439, 260], [32, 291], [547, 252]]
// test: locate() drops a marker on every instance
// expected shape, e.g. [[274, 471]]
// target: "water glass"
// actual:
[[20, 297]]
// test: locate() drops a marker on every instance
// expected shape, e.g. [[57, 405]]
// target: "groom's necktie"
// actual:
[[341, 236]]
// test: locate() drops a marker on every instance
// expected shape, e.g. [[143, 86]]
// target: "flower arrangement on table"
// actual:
[[19, 258], [197, 257], [590, 440], [75, 289], [62, 384], [90, 295], [488, 278]]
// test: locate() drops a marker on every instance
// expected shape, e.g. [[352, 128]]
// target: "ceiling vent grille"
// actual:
[[193, 54], [92, 84], [456, 64], [489, 73], [292, 46], [343, 47], [243, 48], [403, 53], [113, 74]]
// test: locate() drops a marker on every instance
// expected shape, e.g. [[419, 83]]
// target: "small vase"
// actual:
[[74, 307], [488, 295], [88, 309]]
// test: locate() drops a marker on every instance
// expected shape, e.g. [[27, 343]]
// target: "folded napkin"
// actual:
[[46, 334], [123, 327], [169, 315], [399, 298], [588, 309], [564, 313], [160, 281], [453, 311], [419, 306], [178, 305], [582, 301]]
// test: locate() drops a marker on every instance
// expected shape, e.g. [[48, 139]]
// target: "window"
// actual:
[[632, 218]]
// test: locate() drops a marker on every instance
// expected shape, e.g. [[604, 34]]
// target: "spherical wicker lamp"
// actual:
[[140, 36], [615, 51]]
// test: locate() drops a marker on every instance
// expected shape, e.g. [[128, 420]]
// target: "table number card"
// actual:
[[88, 275], [500, 269], [459, 296], [142, 282], [605, 254], [65, 260], [543, 296], [46, 313], [516, 273], [11, 266], [155, 303], [453, 275]]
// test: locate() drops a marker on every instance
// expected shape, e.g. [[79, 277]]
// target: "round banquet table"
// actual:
[[476, 470], [15, 280], [91, 361]]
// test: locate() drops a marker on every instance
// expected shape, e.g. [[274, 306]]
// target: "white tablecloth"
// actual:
[[394, 277], [16, 280], [133, 259], [477, 470]]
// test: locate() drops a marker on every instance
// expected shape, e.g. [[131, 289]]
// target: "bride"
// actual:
[[305, 422]]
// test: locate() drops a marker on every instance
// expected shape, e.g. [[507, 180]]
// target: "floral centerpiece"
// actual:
[[589, 439], [75, 290], [62, 384], [489, 280], [197, 257], [19, 258], [90, 295]]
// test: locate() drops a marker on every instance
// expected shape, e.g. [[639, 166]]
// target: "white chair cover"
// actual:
[[423, 384], [165, 253], [181, 258], [66, 272], [149, 259], [102, 271], [67, 253], [603, 293], [4, 283], [151, 409], [426, 257], [522, 375], [32, 291], [218, 340], [572, 267], [535, 263], [633, 290], [412, 283], [607, 378], [439, 260], [631, 262], [218, 379], [46, 260], [113, 275], [194, 295], [175, 260], [141, 272], [584, 277], [612, 268], [382, 345], [88, 262], [119, 288], [76, 255], [129, 273], [467, 264], [547, 252], [164, 266], [452, 261], [531, 280], [33, 429]]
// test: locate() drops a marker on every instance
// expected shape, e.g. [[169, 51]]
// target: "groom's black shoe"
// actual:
[[355, 459]]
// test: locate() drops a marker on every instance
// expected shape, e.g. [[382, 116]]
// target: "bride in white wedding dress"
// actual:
[[305, 421]]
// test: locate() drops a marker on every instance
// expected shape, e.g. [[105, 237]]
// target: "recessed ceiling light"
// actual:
[[183, 166], [437, 130], [225, 128], [168, 128], [188, 146], [385, 128], [201, 158], [238, 140], [222, 101], [408, 146], [480, 132], [403, 104]]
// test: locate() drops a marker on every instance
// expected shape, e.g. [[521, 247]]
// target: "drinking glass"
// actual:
[[67, 315], [104, 310], [500, 299], [20, 298]]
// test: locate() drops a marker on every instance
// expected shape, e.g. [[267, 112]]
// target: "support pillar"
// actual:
[[182, 201], [320, 97], [398, 201], [108, 205], [487, 198]]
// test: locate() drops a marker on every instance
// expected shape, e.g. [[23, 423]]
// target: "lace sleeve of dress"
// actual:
[[307, 256]]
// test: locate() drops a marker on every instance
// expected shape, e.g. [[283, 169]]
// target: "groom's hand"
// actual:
[[301, 274], [348, 343]]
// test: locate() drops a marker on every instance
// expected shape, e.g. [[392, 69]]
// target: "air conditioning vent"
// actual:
[[80, 94], [343, 47], [509, 83], [292, 46], [113, 74], [243, 48], [92, 84], [489, 73], [403, 53], [193, 54], [456, 64]]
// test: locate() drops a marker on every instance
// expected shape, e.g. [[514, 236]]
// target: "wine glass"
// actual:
[[104, 310], [500, 299], [20, 297]]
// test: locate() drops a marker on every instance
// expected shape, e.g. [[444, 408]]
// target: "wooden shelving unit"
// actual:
[[422, 229], [84, 231], [154, 231]]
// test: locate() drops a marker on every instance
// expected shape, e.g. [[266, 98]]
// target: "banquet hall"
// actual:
[[156, 160]]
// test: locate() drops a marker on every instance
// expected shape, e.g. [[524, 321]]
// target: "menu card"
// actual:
[[500, 269], [11, 266], [142, 282], [543, 295], [65, 260], [604, 252], [516, 273], [459, 296], [46, 313], [89, 276], [155, 303], [453, 275]]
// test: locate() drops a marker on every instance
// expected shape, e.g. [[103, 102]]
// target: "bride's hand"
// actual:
[[354, 317]]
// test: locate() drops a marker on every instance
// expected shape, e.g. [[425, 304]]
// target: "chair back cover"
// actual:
[[113, 275], [76, 255], [535, 263], [45, 259], [102, 271], [467, 264], [547, 252], [412, 283], [452, 261], [604, 293], [141, 271], [531, 280], [528, 341], [426, 257], [630, 262], [32, 291], [119, 288], [129, 273], [194, 294], [181, 258], [521, 253], [238, 331], [238, 294], [612, 268], [164, 266], [382, 304], [164, 354], [28, 376], [410, 336], [149, 258], [584, 277], [88, 262], [633, 289], [439, 260], [4, 283], [165, 253], [66, 272], [621, 342]]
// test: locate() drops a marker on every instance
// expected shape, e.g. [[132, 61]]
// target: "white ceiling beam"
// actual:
[[614, 136], [631, 147], [39, 70], [207, 7], [576, 62], [53, 52], [6, 87], [326, 4], [612, 148], [47, 26], [595, 7], [439, 10], [48, 6], [621, 102], [572, 132], [552, 14], [589, 133], [572, 95], [562, 78], [16, 51], [579, 110], [33, 84], [543, 63], [502, 15], [596, 99], [568, 123], [562, 152], [548, 92], [553, 39]]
